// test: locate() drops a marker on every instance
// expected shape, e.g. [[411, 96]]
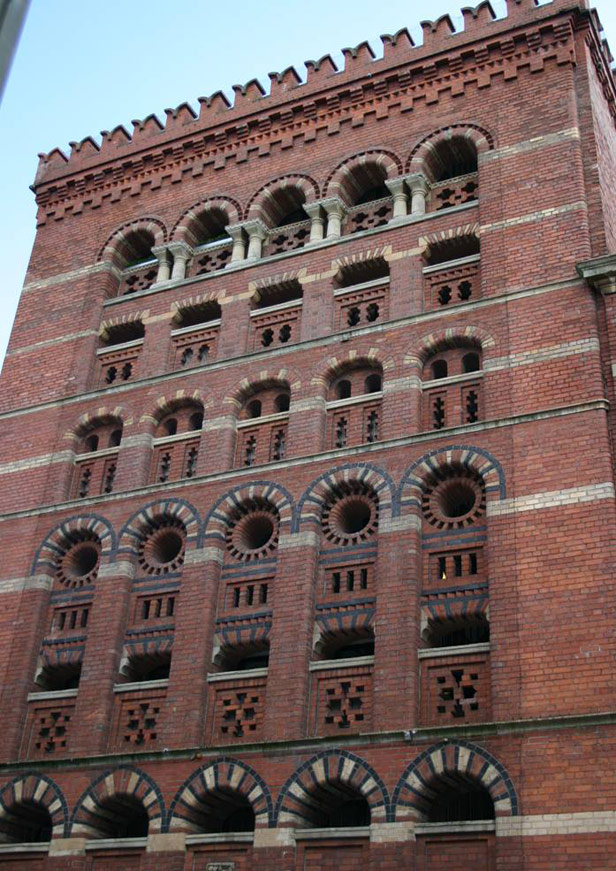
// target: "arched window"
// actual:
[[122, 816], [52, 678], [212, 245], [354, 406], [97, 458], [141, 668], [119, 352], [195, 340], [457, 799], [452, 168], [139, 265], [176, 442], [455, 688], [263, 426], [276, 312], [452, 274], [369, 198], [288, 222], [26, 822], [459, 399], [361, 296], [337, 805], [221, 811]]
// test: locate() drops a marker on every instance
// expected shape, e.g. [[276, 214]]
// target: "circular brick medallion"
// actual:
[[162, 550], [78, 565], [253, 532]]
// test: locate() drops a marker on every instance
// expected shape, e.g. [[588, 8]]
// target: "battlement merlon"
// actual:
[[287, 90]]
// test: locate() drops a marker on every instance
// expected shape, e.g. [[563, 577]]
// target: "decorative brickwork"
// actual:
[[455, 688], [344, 701], [49, 727], [239, 711]]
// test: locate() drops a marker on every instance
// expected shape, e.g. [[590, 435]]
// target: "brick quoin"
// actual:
[[308, 464]]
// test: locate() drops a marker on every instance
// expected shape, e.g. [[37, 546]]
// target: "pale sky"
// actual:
[[83, 66]]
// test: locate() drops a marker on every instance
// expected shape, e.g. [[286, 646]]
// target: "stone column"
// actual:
[[286, 718], [419, 188], [397, 186], [94, 708], [336, 211], [163, 255], [184, 720], [317, 218], [181, 255], [257, 234], [237, 233]]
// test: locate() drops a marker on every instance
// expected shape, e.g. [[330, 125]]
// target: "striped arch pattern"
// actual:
[[126, 781], [225, 774], [233, 636], [52, 548], [216, 522], [381, 251], [132, 318], [329, 369], [110, 250], [414, 791], [182, 231], [297, 797], [60, 657], [193, 301], [176, 509], [475, 459], [311, 504], [333, 625], [432, 240], [263, 203], [264, 378], [422, 155], [453, 337], [100, 415], [42, 790], [166, 404], [340, 182]]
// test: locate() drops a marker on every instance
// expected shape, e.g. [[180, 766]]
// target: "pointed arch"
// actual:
[[180, 510], [183, 230], [477, 460], [111, 250], [314, 498], [225, 774], [422, 155], [126, 780], [217, 519], [339, 182], [55, 542], [330, 767], [413, 792], [32, 786]]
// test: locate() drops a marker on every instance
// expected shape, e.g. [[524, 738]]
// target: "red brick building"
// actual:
[[308, 505]]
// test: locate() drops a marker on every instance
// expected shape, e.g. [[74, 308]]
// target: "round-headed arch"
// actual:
[[452, 337], [102, 415], [224, 775], [261, 380], [89, 816], [76, 528], [266, 203], [226, 508], [325, 768], [33, 788], [114, 248], [168, 404], [476, 460], [149, 517], [422, 157], [363, 355], [414, 793], [185, 228], [316, 496], [340, 182]]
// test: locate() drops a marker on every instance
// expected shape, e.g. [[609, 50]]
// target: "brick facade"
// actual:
[[308, 467]]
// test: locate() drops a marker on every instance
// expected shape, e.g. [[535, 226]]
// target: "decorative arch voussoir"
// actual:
[[155, 226], [142, 520], [452, 337], [262, 379], [126, 780], [217, 520], [387, 160], [260, 205], [225, 774], [478, 460], [55, 541], [362, 355], [414, 791], [420, 154], [231, 207], [31, 786], [167, 404], [101, 415], [331, 767], [313, 499]]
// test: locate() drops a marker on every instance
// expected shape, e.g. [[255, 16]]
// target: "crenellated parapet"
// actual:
[[406, 75]]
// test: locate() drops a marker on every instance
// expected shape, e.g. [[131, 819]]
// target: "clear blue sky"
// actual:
[[85, 66]]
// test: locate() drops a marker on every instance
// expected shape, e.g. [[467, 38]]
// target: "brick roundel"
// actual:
[[36, 788], [413, 793], [126, 781], [476, 460], [54, 545], [178, 510], [216, 523], [331, 767], [315, 496], [230, 776], [419, 157]]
